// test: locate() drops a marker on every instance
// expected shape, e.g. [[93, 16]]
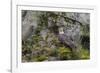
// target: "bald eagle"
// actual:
[[65, 39]]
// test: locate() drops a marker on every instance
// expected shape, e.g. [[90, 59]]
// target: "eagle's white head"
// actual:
[[61, 30]]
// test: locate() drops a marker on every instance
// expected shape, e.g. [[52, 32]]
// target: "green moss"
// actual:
[[64, 53], [40, 58], [85, 54]]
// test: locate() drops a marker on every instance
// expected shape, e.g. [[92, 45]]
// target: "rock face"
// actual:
[[29, 23], [41, 28], [31, 19], [84, 18]]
